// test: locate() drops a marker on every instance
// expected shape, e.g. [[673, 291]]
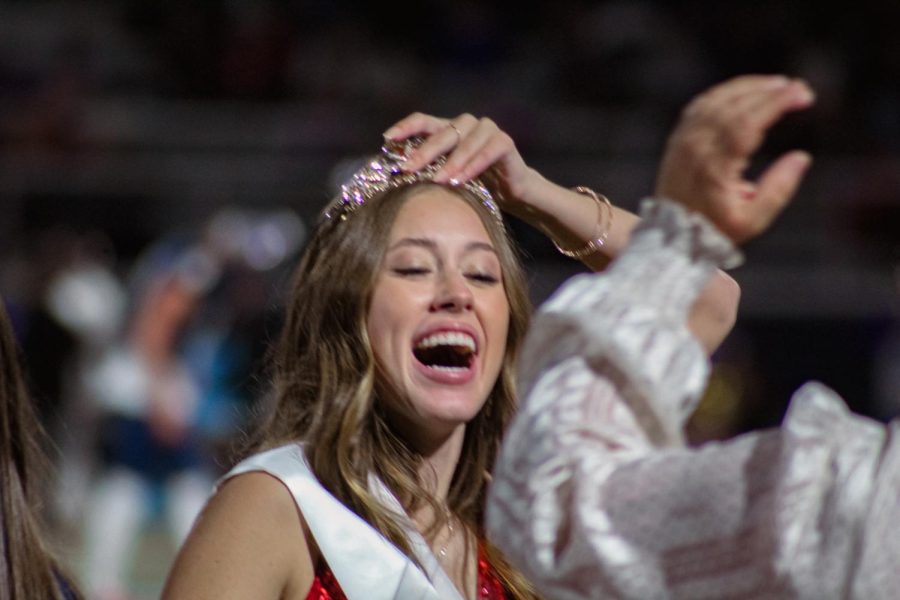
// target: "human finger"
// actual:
[[740, 110], [756, 207], [796, 93], [779, 182], [477, 143], [450, 135], [747, 119], [500, 150], [417, 123], [725, 93]]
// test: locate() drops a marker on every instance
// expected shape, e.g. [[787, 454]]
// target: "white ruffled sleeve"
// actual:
[[596, 495]]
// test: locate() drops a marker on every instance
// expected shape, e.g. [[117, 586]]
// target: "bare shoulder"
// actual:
[[255, 497], [250, 541]]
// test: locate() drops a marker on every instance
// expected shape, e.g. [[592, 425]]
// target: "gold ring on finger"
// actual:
[[456, 129]]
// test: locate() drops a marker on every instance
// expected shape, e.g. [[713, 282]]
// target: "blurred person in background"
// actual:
[[169, 391], [77, 313], [393, 379], [28, 568], [147, 401]]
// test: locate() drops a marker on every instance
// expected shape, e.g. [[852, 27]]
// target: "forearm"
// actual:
[[571, 218], [646, 296], [714, 312]]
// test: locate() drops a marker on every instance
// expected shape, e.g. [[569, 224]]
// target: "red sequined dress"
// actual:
[[325, 586]]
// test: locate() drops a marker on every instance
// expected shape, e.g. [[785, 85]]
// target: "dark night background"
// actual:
[[125, 123]]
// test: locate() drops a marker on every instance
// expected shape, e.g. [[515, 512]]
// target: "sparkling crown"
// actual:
[[382, 172]]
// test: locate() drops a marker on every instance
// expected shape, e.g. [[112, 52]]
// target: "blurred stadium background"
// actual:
[[139, 138]]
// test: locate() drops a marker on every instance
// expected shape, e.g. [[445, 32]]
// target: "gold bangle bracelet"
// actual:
[[592, 245]]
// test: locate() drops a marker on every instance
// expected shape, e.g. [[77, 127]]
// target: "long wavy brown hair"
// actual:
[[28, 569], [326, 392]]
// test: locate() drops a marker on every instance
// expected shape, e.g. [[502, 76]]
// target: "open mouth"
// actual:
[[447, 351]]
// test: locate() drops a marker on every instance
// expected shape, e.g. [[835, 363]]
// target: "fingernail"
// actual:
[[390, 133], [802, 159], [804, 93], [454, 181]]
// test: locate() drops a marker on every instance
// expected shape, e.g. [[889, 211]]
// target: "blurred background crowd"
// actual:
[[160, 164]]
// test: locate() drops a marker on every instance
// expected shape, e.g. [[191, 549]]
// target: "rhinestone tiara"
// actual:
[[382, 172]]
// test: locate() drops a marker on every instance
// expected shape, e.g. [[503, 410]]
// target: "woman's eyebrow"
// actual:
[[410, 241], [481, 246], [432, 245]]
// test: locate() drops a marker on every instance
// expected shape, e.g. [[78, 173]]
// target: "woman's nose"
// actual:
[[452, 294]]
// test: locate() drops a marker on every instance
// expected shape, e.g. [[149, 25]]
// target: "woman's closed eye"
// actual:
[[483, 277], [411, 271]]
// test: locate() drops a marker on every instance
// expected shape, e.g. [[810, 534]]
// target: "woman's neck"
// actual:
[[440, 458], [449, 544]]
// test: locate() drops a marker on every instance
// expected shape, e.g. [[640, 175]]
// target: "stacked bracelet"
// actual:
[[592, 245]]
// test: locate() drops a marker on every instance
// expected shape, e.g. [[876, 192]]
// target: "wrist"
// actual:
[[688, 232], [531, 198], [550, 207], [602, 228]]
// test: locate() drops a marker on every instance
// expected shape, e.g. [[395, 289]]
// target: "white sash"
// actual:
[[366, 565]]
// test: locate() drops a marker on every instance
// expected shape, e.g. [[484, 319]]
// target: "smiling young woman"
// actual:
[[438, 316], [393, 380], [421, 276]]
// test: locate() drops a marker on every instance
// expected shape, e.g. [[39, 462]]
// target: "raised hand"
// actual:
[[711, 147], [478, 148], [475, 147]]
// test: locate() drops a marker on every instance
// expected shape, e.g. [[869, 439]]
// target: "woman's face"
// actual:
[[438, 316]]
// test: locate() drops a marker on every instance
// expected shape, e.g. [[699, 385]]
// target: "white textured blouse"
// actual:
[[596, 494]]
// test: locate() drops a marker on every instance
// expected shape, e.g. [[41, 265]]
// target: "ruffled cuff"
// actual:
[[672, 254], [690, 232]]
